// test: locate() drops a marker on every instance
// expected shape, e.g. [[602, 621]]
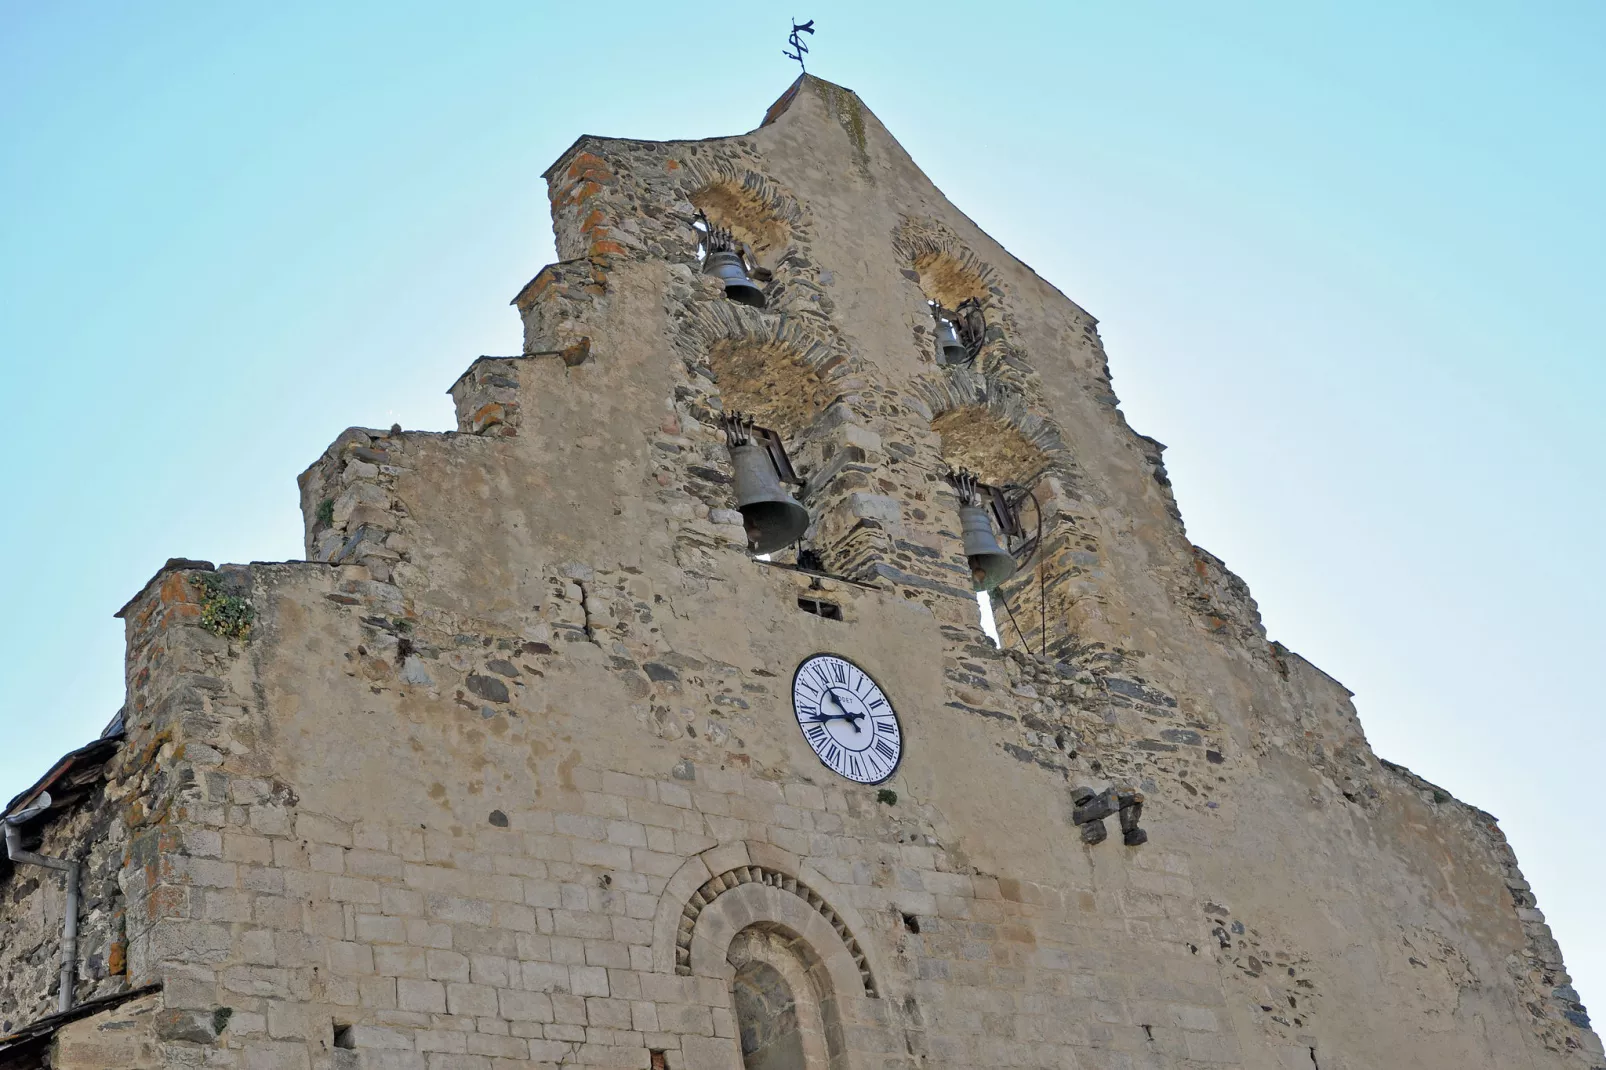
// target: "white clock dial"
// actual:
[[846, 719]]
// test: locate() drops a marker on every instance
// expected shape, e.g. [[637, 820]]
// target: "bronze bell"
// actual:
[[950, 349], [726, 265], [990, 563], [772, 517]]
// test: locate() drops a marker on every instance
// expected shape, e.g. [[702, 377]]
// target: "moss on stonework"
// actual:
[[855, 123], [223, 612], [326, 511], [850, 114]]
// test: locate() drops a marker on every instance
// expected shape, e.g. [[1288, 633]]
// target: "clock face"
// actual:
[[846, 719]]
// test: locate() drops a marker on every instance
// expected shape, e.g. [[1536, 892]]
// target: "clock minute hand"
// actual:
[[851, 718], [820, 718]]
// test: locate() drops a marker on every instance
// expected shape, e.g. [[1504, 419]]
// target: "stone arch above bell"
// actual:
[[757, 212], [781, 372], [991, 430], [945, 269]]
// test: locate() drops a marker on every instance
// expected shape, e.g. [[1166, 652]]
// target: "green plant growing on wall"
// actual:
[[222, 612], [326, 512], [888, 796]]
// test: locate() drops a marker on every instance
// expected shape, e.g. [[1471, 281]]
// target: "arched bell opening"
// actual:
[[740, 240], [779, 379], [994, 470], [761, 225], [964, 315], [958, 299], [768, 396]]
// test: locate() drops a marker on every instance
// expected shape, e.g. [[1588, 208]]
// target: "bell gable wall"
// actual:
[[505, 774]]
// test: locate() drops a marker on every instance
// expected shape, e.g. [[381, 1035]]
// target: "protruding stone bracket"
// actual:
[[1093, 807]]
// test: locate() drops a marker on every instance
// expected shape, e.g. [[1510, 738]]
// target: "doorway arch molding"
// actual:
[[725, 889]]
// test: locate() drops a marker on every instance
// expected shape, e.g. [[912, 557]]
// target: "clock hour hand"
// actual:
[[852, 718]]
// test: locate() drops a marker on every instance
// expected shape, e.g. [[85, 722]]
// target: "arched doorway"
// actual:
[[783, 1015], [766, 1019]]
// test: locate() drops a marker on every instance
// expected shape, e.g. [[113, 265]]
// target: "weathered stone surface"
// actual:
[[488, 687], [507, 773], [126, 1037]]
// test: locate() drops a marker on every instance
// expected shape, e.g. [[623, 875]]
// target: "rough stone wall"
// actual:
[[123, 1037], [463, 872], [31, 902], [505, 774]]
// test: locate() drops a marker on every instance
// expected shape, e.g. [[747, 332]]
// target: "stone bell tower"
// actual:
[[533, 763]]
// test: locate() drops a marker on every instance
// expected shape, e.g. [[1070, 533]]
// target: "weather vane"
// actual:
[[799, 49]]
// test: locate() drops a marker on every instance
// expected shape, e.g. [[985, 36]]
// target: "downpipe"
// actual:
[[69, 925]]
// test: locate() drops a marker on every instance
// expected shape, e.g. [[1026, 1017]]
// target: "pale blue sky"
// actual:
[[1348, 259]]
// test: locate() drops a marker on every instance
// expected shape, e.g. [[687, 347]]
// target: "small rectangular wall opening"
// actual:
[[984, 605], [343, 1036], [820, 608]]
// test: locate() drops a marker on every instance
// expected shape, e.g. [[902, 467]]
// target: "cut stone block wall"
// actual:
[[506, 773]]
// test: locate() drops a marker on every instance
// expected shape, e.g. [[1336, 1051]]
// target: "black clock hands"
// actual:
[[868, 753], [852, 718]]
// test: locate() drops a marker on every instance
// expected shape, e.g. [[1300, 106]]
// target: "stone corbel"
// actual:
[[1092, 807]]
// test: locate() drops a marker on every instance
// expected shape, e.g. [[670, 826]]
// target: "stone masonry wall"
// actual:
[[531, 931], [505, 775], [31, 902]]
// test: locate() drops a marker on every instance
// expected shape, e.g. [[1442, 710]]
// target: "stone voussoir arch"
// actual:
[[708, 324], [956, 391], [779, 366], [699, 173], [949, 271], [918, 239], [722, 891]]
